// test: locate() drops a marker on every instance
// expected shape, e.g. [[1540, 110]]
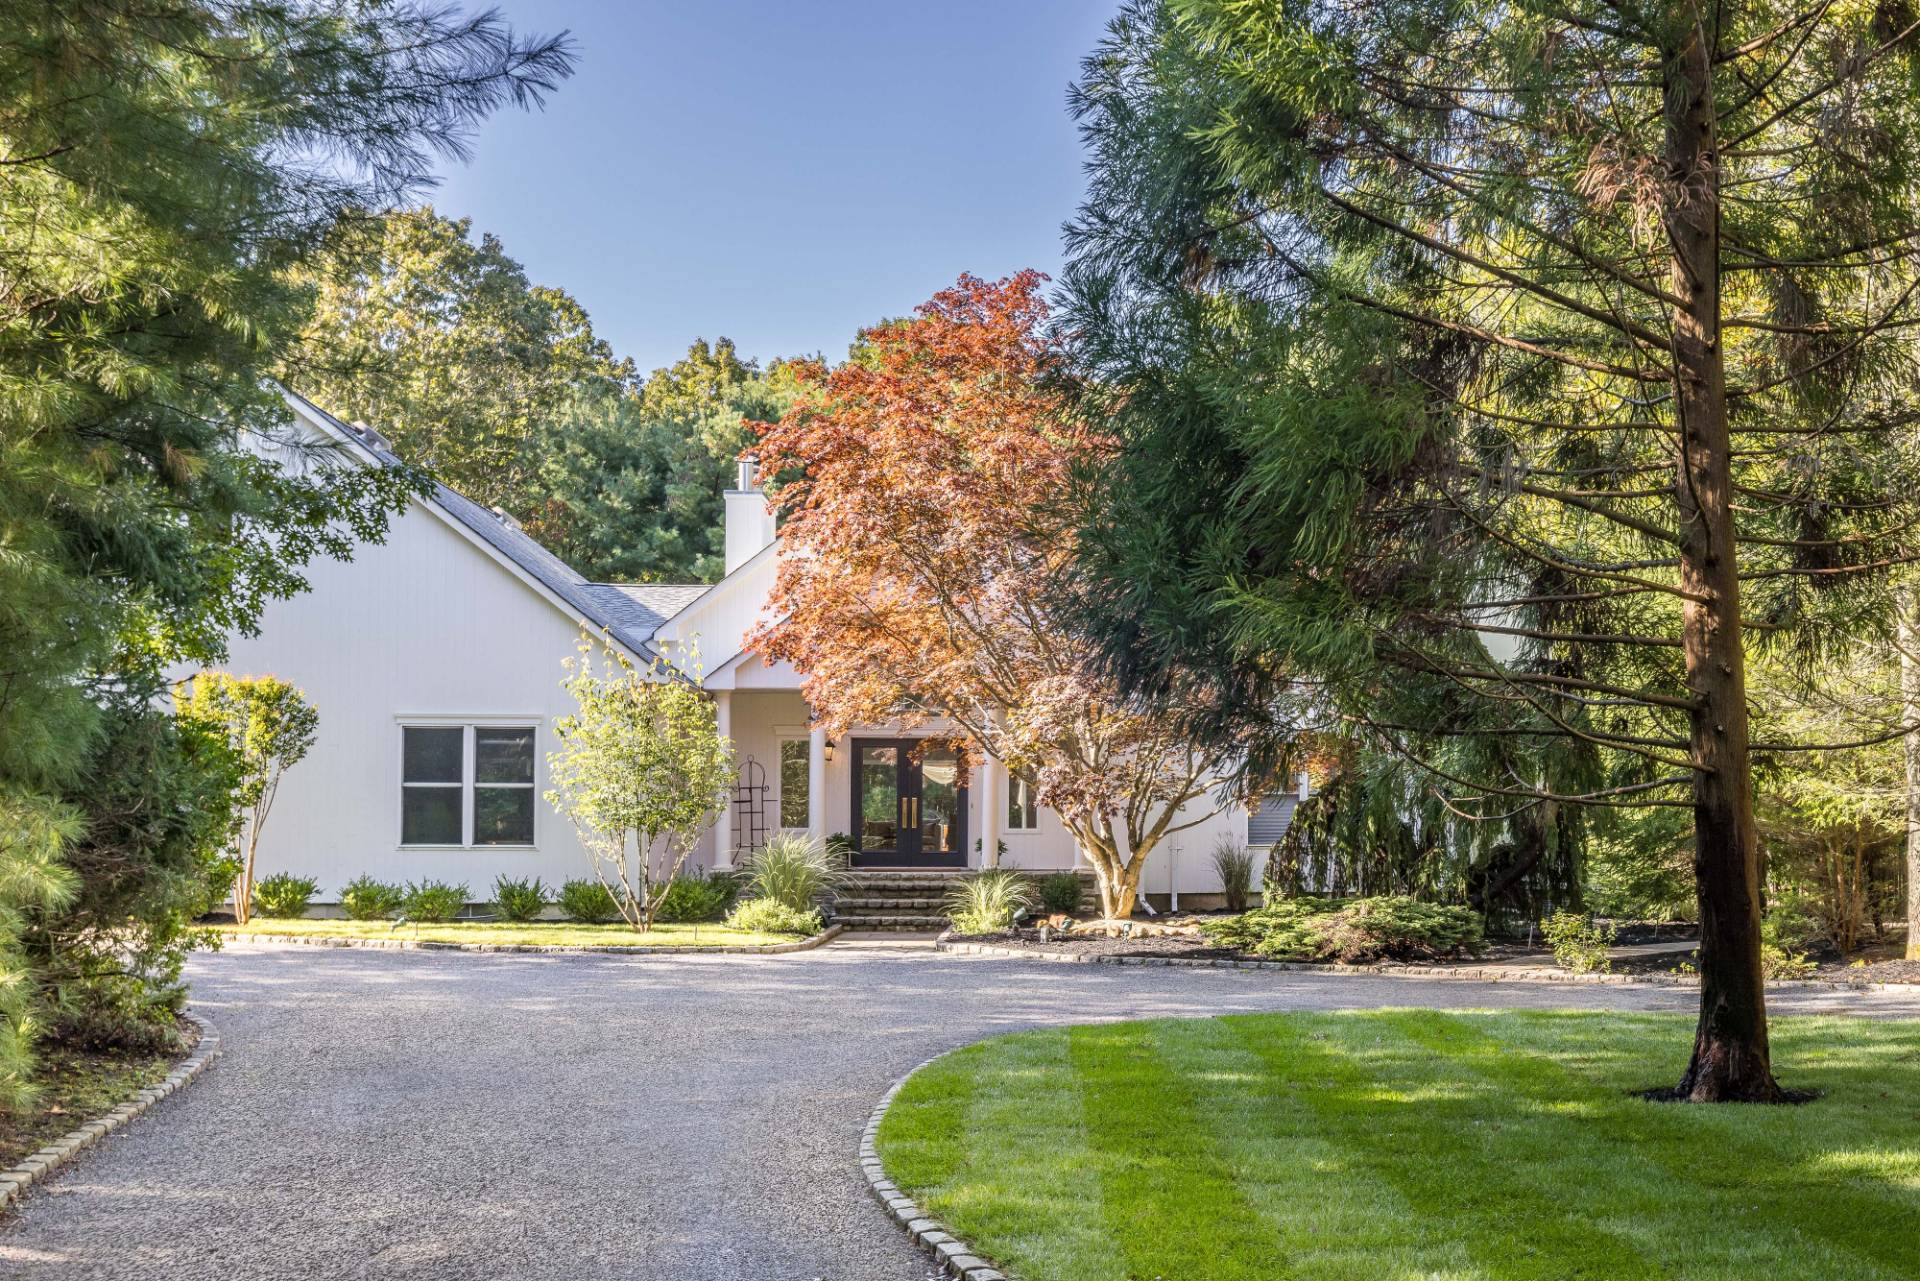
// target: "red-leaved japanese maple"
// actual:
[[921, 536]]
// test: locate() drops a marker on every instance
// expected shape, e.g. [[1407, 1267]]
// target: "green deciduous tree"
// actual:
[[162, 170], [446, 346], [269, 726], [642, 771], [1516, 370]]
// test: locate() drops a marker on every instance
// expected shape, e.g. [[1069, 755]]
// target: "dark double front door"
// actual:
[[910, 811]]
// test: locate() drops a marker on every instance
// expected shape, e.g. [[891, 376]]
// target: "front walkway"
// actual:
[[449, 1116]]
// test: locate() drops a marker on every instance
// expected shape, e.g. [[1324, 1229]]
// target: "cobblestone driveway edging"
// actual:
[[611, 949], [955, 1256], [65, 1149], [1470, 973]]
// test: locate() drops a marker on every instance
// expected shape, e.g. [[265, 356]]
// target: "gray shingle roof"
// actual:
[[632, 612]]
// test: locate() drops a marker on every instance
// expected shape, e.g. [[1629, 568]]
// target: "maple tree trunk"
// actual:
[[1730, 1060], [1909, 636]]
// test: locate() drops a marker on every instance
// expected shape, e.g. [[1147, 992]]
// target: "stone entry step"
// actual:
[[906, 898]]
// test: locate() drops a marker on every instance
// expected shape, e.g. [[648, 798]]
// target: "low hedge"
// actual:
[[1352, 931]]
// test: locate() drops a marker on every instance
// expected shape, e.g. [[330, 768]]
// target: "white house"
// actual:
[[434, 659]]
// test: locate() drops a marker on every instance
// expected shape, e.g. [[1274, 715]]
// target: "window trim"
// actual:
[[1033, 808], [468, 783]]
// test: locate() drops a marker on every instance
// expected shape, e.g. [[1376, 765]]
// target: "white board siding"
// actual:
[[424, 626]]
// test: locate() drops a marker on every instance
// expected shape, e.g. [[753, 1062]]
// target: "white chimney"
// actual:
[[749, 521]]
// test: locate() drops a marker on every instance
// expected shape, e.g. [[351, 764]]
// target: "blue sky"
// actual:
[[783, 173]]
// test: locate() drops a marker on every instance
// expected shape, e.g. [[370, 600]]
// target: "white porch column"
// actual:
[[723, 829], [817, 784], [990, 813]]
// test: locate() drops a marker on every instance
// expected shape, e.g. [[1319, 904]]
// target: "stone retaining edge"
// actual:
[[612, 949], [64, 1150], [1465, 973], [955, 1257]]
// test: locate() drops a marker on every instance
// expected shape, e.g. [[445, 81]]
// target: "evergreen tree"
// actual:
[[163, 167], [1512, 369]]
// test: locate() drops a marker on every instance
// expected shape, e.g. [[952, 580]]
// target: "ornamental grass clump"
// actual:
[[989, 902], [1233, 863], [1353, 931], [793, 870]]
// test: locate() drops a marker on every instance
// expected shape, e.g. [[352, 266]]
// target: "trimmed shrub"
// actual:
[[588, 902], [431, 901], [770, 916], [284, 894], [989, 902], [793, 870], [519, 900], [1234, 864], [1353, 932], [696, 897], [1579, 943], [1060, 893], [366, 899]]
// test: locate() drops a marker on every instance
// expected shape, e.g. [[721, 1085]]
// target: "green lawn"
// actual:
[[1414, 1144], [538, 933]]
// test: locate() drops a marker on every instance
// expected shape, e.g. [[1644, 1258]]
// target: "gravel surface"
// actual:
[[450, 1116]]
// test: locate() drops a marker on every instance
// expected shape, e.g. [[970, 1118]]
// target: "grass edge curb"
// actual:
[[540, 949], [1464, 973], [64, 1150], [954, 1256]]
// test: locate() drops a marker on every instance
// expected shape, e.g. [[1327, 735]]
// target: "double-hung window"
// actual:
[[466, 785]]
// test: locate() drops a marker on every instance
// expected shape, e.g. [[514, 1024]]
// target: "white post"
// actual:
[[989, 813], [723, 829], [817, 784]]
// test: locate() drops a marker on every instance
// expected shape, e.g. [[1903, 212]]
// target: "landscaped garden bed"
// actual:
[[1372, 1146], [507, 934], [78, 1086]]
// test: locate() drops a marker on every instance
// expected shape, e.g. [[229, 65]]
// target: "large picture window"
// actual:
[[466, 785], [796, 793]]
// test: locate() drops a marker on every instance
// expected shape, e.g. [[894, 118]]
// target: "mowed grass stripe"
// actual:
[[1022, 1174], [1726, 1205], [1406, 1120], [1167, 1193], [1334, 1220]]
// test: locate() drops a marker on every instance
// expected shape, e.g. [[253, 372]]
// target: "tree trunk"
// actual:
[[1730, 1054], [243, 883], [1909, 636]]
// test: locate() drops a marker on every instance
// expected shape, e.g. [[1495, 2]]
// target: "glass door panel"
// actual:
[[878, 797], [937, 809]]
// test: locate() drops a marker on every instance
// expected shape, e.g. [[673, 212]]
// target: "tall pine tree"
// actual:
[[1514, 369]]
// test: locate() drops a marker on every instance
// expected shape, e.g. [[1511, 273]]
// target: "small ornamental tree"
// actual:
[[271, 726], [641, 772], [917, 490]]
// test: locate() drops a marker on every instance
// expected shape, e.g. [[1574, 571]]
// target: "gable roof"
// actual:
[[629, 612]]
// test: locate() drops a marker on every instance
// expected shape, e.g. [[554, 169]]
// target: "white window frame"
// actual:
[[1033, 807], [467, 785], [782, 737]]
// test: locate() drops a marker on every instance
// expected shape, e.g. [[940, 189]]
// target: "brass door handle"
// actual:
[[916, 813]]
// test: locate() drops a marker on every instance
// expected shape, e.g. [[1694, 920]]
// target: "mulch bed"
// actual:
[[76, 1086]]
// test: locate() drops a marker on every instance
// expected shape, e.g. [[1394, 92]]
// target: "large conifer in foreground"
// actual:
[[1515, 368]]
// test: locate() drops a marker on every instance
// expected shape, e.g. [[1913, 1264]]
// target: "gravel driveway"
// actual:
[[446, 1116]]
